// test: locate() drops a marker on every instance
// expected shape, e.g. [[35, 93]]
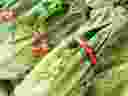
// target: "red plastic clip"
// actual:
[[88, 51]]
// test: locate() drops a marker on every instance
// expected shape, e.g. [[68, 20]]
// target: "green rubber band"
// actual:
[[89, 35], [87, 62], [82, 51], [93, 38]]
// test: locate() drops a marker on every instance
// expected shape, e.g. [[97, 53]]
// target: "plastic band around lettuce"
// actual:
[[91, 36]]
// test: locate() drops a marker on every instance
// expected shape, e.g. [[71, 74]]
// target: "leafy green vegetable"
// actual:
[[55, 7]]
